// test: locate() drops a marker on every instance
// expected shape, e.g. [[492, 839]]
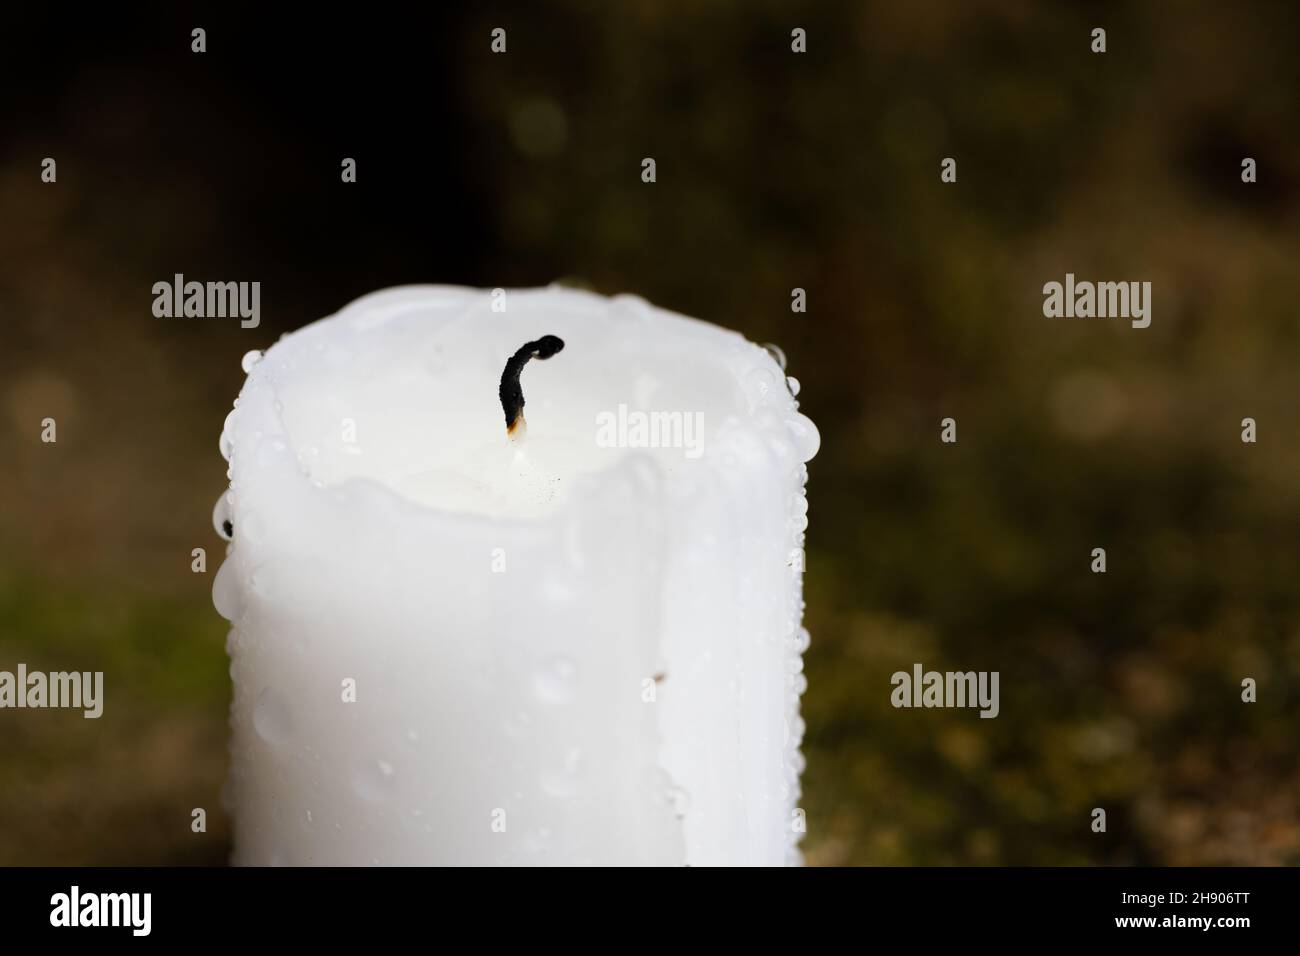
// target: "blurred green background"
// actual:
[[775, 171]]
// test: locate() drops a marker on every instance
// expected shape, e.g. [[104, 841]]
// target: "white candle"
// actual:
[[450, 647]]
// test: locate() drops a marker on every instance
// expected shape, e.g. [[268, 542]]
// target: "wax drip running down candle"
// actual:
[[511, 392], [450, 649]]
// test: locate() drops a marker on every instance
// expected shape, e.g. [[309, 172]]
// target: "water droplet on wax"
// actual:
[[679, 800], [778, 355], [631, 304], [806, 437], [226, 595], [555, 680], [802, 640], [271, 717], [759, 385], [563, 781], [221, 516], [374, 780]]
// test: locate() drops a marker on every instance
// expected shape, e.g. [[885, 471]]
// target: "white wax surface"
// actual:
[[563, 653]]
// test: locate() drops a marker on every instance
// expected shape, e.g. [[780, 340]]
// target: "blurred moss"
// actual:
[[118, 788]]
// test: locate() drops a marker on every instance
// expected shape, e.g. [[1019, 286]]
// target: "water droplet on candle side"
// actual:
[[679, 800], [777, 353], [759, 385], [806, 437], [257, 585], [554, 682], [563, 781], [802, 639], [271, 717], [374, 780], [221, 516], [630, 304], [226, 595]]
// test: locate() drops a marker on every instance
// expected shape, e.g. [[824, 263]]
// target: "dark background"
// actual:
[[775, 170]]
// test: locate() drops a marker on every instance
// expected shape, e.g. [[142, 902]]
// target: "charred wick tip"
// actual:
[[512, 394]]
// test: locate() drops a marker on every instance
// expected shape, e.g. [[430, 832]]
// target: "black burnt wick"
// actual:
[[512, 394], [228, 527]]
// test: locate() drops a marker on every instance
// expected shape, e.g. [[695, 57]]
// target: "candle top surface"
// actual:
[[400, 390]]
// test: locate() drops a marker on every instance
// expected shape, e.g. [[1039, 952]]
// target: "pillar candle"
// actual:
[[577, 641]]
